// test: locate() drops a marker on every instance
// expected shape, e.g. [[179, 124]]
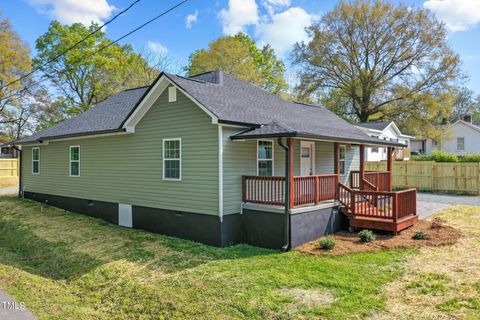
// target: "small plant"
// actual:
[[326, 243], [366, 236], [437, 223], [420, 235]]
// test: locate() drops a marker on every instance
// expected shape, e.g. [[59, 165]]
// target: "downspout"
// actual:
[[19, 171], [286, 247]]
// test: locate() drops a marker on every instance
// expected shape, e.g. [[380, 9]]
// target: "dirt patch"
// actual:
[[309, 297], [439, 234]]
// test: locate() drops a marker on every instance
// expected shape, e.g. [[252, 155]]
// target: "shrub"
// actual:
[[470, 157], [440, 156], [420, 236], [327, 243], [366, 236], [437, 156]]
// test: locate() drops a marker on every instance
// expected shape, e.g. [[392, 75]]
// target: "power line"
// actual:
[[104, 47], [72, 47]]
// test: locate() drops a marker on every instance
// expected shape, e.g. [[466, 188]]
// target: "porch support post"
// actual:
[[362, 165], [336, 159], [290, 181], [389, 166]]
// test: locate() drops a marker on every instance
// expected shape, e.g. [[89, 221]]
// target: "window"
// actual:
[[265, 158], [172, 94], [35, 160], [75, 161], [172, 159], [343, 155], [374, 150], [460, 144]]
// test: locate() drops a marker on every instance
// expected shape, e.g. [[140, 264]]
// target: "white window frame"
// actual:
[[344, 160], [463, 149], [70, 161], [172, 94], [36, 148], [165, 159], [273, 155]]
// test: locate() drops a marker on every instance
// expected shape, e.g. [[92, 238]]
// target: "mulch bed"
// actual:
[[439, 234]]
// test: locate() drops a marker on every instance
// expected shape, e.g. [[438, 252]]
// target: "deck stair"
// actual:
[[380, 210]]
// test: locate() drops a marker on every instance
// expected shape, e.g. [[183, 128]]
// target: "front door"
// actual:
[[307, 158]]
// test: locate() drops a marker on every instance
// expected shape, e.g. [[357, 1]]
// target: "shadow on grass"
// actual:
[[62, 259], [56, 260]]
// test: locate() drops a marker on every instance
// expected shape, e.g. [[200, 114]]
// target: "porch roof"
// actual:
[[278, 129]]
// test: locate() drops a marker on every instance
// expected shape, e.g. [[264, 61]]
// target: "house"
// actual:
[[213, 159], [389, 131], [458, 138], [8, 152]]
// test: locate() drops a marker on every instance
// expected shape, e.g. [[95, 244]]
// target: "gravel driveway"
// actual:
[[429, 203]]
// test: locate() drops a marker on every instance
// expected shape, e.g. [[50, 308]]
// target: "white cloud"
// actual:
[[71, 11], [190, 19], [458, 15], [156, 48], [238, 15], [284, 29], [274, 5]]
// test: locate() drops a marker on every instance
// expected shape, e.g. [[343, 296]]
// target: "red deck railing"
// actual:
[[379, 179], [307, 189], [386, 205]]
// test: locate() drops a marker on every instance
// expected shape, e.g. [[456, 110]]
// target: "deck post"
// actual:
[[290, 181], [389, 167], [362, 166], [336, 165]]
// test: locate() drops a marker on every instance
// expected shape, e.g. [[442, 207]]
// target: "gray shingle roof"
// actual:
[[375, 125], [105, 116], [231, 100]]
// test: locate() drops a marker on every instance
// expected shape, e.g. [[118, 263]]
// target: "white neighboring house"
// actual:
[[386, 130], [459, 138]]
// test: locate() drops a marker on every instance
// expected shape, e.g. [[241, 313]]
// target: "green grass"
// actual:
[[68, 266]]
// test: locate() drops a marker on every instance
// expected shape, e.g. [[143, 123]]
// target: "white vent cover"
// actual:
[[172, 94], [125, 215]]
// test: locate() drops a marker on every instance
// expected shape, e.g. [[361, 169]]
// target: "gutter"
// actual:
[[288, 210]]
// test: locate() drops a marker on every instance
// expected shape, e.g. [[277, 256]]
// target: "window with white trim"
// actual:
[[265, 158], [75, 161], [172, 159], [343, 156], [35, 160], [460, 144]]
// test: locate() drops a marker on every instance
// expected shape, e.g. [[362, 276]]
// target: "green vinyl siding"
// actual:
[[127, 168], [239, 158]]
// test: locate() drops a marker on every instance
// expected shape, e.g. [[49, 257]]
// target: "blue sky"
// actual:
[[196, 23]]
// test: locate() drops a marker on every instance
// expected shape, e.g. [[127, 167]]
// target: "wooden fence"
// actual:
[[452, 177], [8, 167]]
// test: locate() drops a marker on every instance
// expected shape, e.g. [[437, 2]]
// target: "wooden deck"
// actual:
[[370, 204], [388, 211]]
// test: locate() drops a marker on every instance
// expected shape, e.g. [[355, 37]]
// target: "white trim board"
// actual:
[[220, 172]]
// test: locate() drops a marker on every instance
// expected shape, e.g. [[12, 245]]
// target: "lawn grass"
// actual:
[[68, 266], [444, 282]]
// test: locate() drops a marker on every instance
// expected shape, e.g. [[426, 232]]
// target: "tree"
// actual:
[[464, 104], [239, 56], [93, 70], [375, 57], [14, 63]]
